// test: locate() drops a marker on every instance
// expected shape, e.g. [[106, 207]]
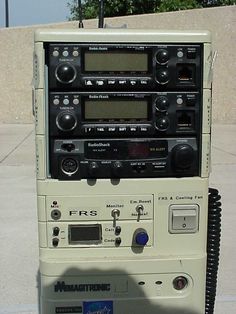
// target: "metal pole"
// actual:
[[101, 14], [7, 13]]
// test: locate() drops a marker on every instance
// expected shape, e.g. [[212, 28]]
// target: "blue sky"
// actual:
[[28, 12]]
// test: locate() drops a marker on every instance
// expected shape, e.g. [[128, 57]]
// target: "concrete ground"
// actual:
[[18, 220]]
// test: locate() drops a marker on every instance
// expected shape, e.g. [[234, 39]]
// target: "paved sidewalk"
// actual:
[[18, 221]]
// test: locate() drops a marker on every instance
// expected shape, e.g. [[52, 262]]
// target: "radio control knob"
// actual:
[[93, 168], [162, 103], [65, 73], [162, 76], [162, 56], [162, 124], [116, 168], [66, 121], [183, 156]]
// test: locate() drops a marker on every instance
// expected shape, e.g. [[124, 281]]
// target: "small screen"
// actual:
[[138, 150], [116, 62], [85, 233], [116, 109]]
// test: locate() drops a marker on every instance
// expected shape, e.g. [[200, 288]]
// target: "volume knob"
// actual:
[[162, 56], [183, 156], [162, 124], [66, 121], [65, 73], [162, 103], [162, 76]]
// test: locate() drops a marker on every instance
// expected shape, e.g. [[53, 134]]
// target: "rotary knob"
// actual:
[[162, 56], [162, 76], [116, 168], [65, 73], [162, 124], [183, 156], [66, 121], [162, 103]]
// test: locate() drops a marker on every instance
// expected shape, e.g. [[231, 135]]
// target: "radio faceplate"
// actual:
[[92, 115], [124, 66], [126, 158]]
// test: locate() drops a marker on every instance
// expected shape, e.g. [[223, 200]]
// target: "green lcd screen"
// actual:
[[115, 62], [116, 109]]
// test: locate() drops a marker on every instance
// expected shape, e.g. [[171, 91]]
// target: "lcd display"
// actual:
[[138, 150], [116, 109], [115, 62], [85, 233]]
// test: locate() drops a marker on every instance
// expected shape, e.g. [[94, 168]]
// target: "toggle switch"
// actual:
[[183, 218], [139, 210], [115, 214]]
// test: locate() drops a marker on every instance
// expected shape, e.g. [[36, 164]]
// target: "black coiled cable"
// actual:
[[213, 248]]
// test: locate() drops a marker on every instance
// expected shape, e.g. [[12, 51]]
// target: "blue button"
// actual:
[[142, 238]]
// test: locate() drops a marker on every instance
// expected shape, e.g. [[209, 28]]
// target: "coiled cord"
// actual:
[[213, 248]]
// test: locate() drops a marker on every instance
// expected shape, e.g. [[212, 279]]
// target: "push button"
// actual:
[[122, 129], [122, 82], [117, 230], [144, 82], [111, 130], [100, 82], [141, 238], [89, 83], [191, 102], [111, 82], [144, 129], [191, 54], [133, 129], [89, 130], [133, 82], [100, 130], [55, 242]]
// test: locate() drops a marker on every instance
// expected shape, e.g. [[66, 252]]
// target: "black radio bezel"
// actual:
[[92, 129], [122, 80]]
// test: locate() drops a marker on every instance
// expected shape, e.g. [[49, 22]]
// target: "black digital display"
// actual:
[[115, 61], [138, 150], [85, 234], [114, 109]]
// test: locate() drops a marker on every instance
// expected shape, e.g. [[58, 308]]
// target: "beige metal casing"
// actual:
[[167, 255]]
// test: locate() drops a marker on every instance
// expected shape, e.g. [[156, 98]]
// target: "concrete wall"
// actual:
[[17, 49]]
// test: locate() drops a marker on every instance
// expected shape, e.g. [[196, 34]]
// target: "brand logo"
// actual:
[[62, 287], [83, 212], [99, 144]]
